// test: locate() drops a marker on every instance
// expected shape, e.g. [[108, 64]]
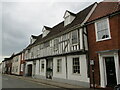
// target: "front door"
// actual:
[[30, 70], [110, 71], [49, 68]]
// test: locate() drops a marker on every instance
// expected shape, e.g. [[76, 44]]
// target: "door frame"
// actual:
[[30, 66], [106, 68], [48, 60], [103, 75]]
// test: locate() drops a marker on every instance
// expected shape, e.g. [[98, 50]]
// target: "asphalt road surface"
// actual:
[[13, 82]]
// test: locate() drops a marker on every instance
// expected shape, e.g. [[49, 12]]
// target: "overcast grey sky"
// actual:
[[22, 19]]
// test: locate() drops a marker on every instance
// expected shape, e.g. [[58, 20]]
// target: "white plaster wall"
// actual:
[[61, 74], [44, 72], [26, 68], [37, 67], [0, 67], [3, 67], [16, 65], [83, 69], [45, 32]]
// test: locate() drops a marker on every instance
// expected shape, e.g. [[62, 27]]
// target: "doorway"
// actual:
[[110, 71], [49, 68], [29, 70]]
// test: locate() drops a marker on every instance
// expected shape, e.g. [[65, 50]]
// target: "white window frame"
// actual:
[[56, 44], [42, 63], [59, 66], [72, 37], [73, 65], [108, 30]]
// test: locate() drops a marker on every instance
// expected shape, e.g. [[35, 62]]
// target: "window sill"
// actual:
[[103, 39], [77, 74], [58, 72], [74, 44]]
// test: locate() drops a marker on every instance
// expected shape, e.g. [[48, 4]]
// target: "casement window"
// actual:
[[16, 68], [102, 30], [76, 65], [42, 66], [41, 46], [59, 65], [16, 59], [56, 42], [74, 37], [32, 55], [46, 44]]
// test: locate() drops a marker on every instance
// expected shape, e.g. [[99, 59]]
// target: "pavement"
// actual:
[[51, 83], [11, 82]]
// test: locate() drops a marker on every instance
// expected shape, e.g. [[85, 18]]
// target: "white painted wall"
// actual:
[[44, 72], [3, 67], [68, 18], [37, 67], [45, 32], [61, 74], [0, 67], [16, 65], [83, 69], [26, 67]]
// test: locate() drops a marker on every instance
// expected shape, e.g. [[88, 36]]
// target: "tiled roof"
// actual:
[[103, 9], [57, 29]]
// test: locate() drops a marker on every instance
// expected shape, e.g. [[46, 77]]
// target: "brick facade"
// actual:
[[111, 44]]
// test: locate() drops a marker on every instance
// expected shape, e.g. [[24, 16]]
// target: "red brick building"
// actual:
[[104, 44]]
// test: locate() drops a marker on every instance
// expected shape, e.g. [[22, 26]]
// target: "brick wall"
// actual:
[[102, 45]]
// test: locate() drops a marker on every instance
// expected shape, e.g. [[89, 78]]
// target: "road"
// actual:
[[13, 82]]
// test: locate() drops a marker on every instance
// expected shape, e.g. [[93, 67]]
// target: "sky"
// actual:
[[19, 19]]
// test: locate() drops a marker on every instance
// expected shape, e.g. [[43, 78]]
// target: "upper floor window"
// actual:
[[102, 30], [74, 37], [56, 42], [46, 44]]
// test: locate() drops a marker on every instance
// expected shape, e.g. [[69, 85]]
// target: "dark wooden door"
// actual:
[[110, 71], [29, 70]]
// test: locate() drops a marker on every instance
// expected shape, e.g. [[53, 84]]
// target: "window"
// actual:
[[76, 65], [102, 30], [16, 68], [32, 55], [67, 20], [42, 66], [74, 37], [41, 46], [59, 65], [46, 44], [56, 41], [16, 59]]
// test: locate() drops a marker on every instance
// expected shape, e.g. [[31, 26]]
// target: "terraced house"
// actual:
[[104, 44], [18, 64], [60, 53], [84, 49]]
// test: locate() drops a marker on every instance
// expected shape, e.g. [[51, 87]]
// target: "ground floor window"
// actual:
[[42, 66], [59, 65], [76, 65]]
